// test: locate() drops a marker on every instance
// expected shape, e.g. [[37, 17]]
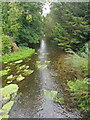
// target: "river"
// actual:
[[31, 101]]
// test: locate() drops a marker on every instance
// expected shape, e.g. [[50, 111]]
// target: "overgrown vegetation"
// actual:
[[6, 44], [22, 54], [79, 89]]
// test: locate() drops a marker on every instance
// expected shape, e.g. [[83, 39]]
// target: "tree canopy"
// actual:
[[69, 26], [22, 21]]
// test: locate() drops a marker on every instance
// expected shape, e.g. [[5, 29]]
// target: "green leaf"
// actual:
[[20, 78], [60, 99], [27, 72], [3, 72], [50, 94], [18, 61], [7, 107]]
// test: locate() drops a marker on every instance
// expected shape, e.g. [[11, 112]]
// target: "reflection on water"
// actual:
[[46, 79], [43, 47], [47, 83], [32, 103]]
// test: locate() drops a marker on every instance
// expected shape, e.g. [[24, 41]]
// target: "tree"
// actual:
[[71, 26], [22, 21]]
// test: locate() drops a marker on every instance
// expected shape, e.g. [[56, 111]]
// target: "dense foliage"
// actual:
[[79, 88], [21, 21], [69, 26], [6, 48]]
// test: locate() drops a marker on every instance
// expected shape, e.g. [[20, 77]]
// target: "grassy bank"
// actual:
[[23, 53]]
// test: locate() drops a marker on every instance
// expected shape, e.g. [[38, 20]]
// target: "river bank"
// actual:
[[24, 52]]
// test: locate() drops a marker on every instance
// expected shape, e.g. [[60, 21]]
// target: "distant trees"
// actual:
[[22, 21], [70, 28]]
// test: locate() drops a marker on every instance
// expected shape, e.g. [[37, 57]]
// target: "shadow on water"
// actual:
[[30, 101]]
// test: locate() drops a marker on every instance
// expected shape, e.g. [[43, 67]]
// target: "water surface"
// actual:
[[32, 102]]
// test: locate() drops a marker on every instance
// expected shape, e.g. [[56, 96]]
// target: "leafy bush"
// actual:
[[22, 54], [84, 50], [80, 93], [6, 44]]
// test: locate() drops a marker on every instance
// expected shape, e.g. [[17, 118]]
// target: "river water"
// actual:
[[31, 101]]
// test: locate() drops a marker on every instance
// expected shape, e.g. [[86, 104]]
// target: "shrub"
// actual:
[[6, 44]]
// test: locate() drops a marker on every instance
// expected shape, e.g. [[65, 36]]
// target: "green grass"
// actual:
[[23, 53]]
